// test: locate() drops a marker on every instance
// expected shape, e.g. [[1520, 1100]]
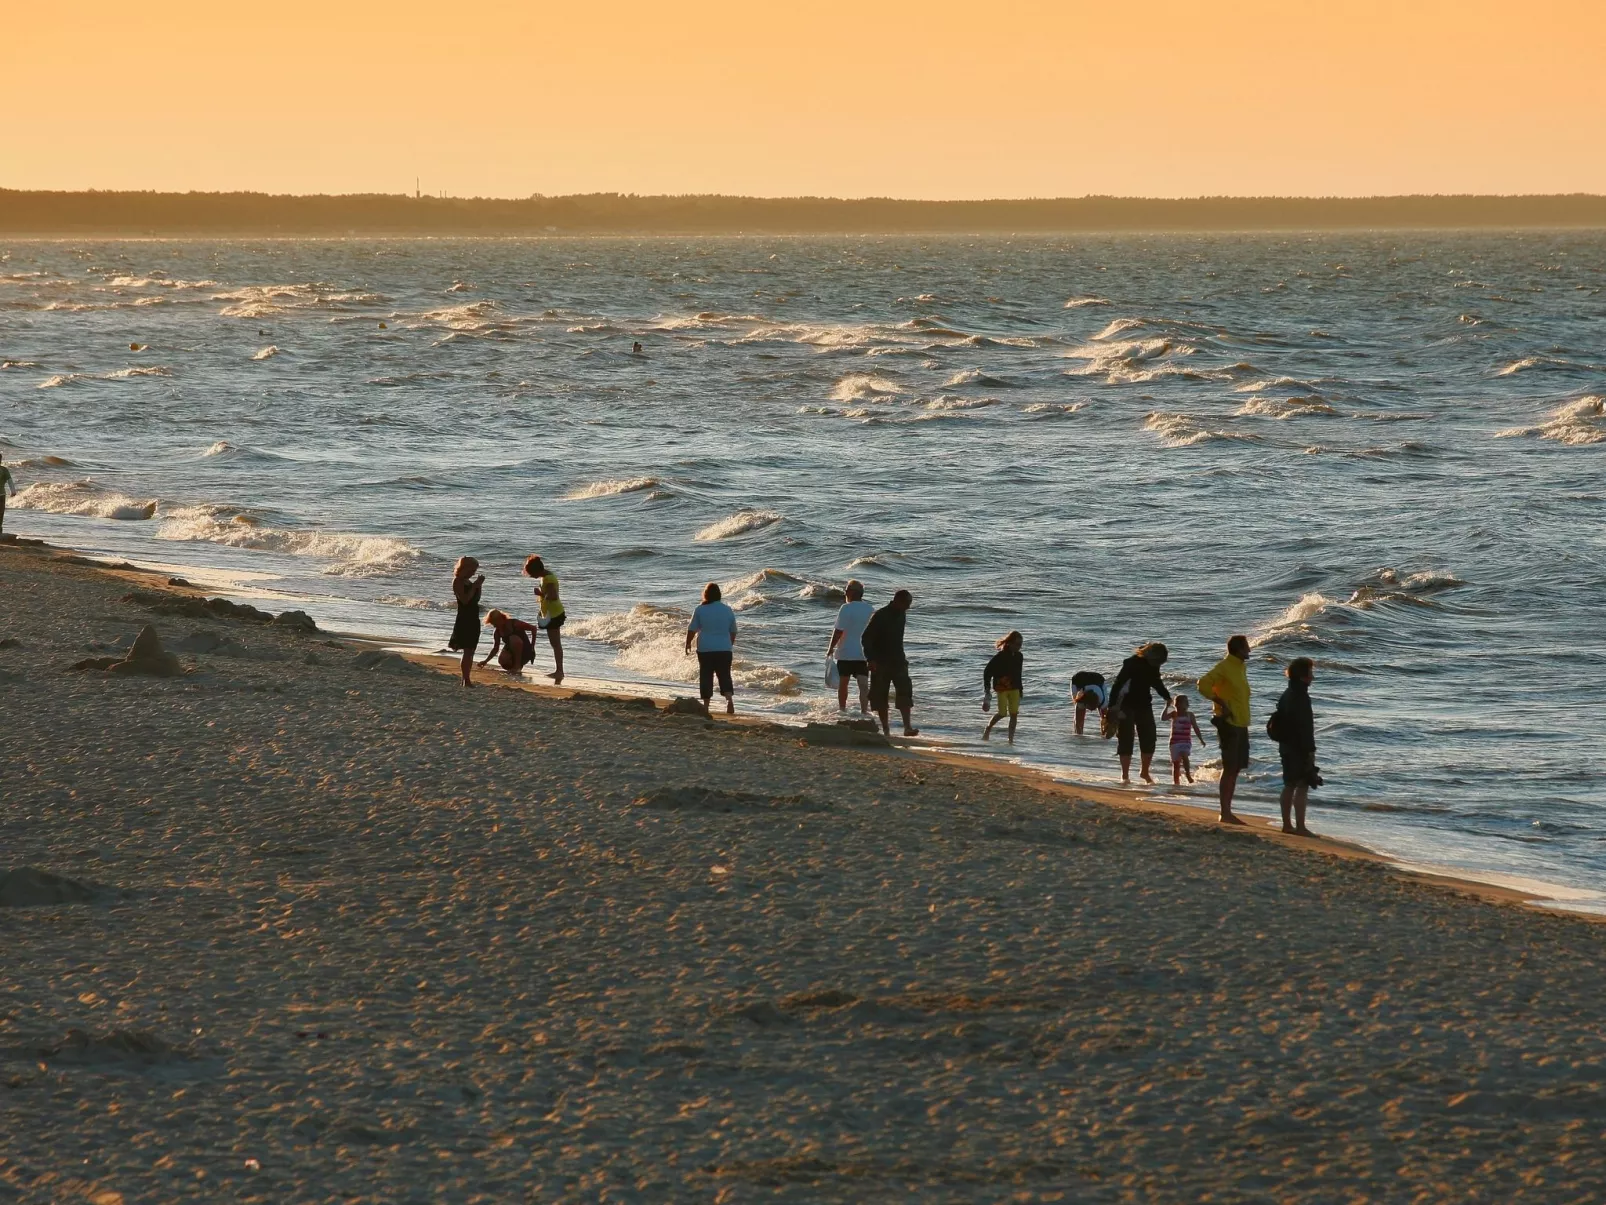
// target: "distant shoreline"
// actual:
[[157, 215]]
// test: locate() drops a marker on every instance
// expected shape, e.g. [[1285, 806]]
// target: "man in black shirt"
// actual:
[[889, 668]]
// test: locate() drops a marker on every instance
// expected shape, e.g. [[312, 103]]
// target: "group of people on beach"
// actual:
[[513, 640], [867, 648]]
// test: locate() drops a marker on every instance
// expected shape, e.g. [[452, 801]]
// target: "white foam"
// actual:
[[864, 386], [612, 486], [651, 641], [82, 498], [742, 522], [349, 554], [122, 374], [1295, 621], [1076, 303], [267, 353], [1283, 408], [1576, 423]]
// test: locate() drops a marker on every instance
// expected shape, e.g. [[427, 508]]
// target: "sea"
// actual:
[[1385, 451]]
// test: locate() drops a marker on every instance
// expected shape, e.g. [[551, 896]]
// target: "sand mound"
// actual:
[[115, 1047], [845, 733], [296, 621], [379, 661], [708, 799], [26, 887], [684, 707]]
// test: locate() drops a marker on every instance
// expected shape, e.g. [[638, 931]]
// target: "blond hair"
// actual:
[[496, 618], [465, 566]]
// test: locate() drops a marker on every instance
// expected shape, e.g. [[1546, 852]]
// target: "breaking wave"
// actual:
[[651, 641], [122, 374], [611, 487], [84, 498], [1579, 422], [349, 554], [742, 522]]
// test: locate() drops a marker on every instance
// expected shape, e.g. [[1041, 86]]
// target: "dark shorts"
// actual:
[[1139, 725], [1299, 767], [556, 622], [1234, 745], [853, 669], [891, 680], [708, 666]]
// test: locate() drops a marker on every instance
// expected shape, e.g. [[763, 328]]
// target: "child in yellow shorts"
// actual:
[[1003, 674]]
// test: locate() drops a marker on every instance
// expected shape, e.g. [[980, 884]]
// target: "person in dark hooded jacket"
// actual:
[[1296, 740], [1133, 704]]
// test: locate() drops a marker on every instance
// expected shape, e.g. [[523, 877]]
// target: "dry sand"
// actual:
[[345, 931]]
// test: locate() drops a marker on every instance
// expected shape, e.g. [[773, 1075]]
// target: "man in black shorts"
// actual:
[[889, 668]]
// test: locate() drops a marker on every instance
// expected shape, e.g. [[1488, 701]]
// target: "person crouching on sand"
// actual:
[[466, 631], [552, 613], [1184, 727], [713, 626], [514, 646], [1004, 673]]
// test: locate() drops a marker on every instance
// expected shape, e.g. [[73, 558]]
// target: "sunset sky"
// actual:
[[930, 99]]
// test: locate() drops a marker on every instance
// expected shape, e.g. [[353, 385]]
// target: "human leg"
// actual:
[[906, 699], [1125, 737], [1146, 739], [554, 635], [705, 677], [722, 667]]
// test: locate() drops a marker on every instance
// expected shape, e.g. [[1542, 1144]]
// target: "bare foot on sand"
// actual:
[[1229, 818], [911, 732], [730, 706], [1302, 831]]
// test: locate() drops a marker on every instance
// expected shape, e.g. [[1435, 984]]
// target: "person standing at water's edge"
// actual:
[[1131, 697], [6, 487], [466, 631], [552, 613], [1227, 686], [713, 626], [847, 645], [889, 667], [1293, 727]]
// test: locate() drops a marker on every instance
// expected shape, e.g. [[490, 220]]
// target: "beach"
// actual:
[[343, 930]]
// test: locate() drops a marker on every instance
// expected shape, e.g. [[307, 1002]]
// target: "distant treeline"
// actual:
[[245, 213]]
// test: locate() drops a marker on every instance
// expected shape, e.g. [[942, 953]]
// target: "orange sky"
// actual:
[[927, 99]]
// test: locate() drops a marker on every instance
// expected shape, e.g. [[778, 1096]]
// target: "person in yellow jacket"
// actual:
[[1226, 685], [552, 613]]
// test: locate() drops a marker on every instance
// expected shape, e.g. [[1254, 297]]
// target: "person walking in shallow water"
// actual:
[[713, 627], [552, 613], [1293, 727], [466, 631], [889, 667], [1226, 684], [1005, 673], [1133, 702]]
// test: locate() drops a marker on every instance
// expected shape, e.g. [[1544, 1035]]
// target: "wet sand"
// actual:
[[352, 932]]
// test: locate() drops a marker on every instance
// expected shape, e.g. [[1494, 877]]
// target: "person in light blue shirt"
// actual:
[[713, 627], [847, 646]]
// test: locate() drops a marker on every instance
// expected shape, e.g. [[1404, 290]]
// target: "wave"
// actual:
[[1576, 423], [157, 280], [4, 364], [651, 641], [611, 487], [266, 301], [864, 386], [84, 498], [1298, 624], [415, 604], [1186, 431], [350, 554], [975, 376], [1052, 409], [267, 353], [122, 374], [1076, 303], [224, 450], [44, 462], [742, 522], [1544, 362], [1283, 408]]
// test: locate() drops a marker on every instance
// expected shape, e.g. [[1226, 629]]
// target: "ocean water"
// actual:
[[1384, 451]]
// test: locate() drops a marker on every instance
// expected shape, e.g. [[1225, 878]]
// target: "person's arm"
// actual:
[[836, 639], [1208, 684], [733, 627], [1197, 731], [692, 628], [1157, 684], [1168, 711], [496, 644]]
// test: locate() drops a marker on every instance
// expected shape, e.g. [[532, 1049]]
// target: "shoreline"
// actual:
[[1440, 876], [291, 917]]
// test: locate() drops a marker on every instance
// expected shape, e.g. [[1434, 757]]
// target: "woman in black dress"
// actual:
[[466, 631], [1134, 706]]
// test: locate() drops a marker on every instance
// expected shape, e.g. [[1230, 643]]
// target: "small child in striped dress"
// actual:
[[1184, 727]]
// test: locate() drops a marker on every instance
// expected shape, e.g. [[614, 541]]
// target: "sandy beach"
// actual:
[[335, 928]]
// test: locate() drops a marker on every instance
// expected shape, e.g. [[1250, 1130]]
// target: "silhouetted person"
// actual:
[[1295, 727], [1227, 686], [847, 646], [1005, 673], [552, 613], [466, 631], [514, 646], [889, 667], [1131, 697], [6, 487], [635, 349], [1089, 693]]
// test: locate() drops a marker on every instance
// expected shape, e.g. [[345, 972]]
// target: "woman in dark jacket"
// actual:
[[1133, 704], [1296, 740]]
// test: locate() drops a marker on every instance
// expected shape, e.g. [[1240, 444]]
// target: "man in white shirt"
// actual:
[[713, 626], [847, 645]]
